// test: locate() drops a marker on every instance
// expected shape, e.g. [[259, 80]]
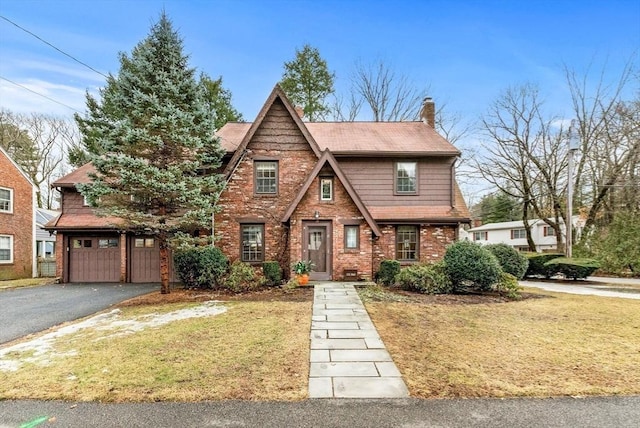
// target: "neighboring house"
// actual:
[[345, 195], [17, 220], [45, 243], [513, 233]]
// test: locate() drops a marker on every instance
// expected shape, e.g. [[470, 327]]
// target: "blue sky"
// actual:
[[467, 52]]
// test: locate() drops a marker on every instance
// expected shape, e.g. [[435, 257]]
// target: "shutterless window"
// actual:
[[252, 242], [351, 237], [518, 234], [6, 200], [406, 174], [266, 177], [326, 189], [6, 249], [407, 243]]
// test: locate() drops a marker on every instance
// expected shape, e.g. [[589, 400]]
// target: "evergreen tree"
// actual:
[[219, 100], [153, 144], [307, 82]]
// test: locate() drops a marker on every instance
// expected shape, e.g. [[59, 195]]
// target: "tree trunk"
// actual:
[[164, 263]]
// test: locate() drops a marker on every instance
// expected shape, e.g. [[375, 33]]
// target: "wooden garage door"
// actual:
[[145, 259], [94, 259]]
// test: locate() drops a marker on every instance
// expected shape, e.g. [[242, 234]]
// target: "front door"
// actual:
[[317, 248]]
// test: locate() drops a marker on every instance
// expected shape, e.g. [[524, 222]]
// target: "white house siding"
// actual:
[[501, 233]]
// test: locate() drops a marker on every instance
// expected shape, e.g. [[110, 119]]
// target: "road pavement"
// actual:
[[32, 309], [601, 412]]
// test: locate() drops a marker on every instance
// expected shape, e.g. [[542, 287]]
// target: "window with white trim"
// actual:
[[6, 200], [6, 248], [518, 234], [549, 231], [326, 189], [406, 177]]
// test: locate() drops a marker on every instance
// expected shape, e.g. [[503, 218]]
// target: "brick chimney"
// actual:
[[428, 112]]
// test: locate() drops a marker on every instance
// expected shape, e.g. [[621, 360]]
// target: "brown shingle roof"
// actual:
[[360, 138], [83, 221], [80, 175]]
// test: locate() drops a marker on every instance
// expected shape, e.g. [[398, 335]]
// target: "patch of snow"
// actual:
[[42, 347]]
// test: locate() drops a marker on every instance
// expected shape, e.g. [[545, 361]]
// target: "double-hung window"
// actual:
[[407, 243], [480, 236], [266, 177], [352, 237], [6, 200], [518, 234], [252, 242], [406, 178], [6, 248], [326, 189]]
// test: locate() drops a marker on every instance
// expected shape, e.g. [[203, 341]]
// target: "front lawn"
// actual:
[[256, 350], [560, 344]]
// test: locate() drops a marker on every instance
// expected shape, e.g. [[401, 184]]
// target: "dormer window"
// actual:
[[406, 174], [326, 189]]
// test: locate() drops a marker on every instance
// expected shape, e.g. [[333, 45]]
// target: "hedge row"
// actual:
[[551, 264]]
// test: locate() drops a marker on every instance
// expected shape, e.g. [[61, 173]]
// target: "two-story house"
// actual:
[[513, 233], [345, 195], [17, 220]]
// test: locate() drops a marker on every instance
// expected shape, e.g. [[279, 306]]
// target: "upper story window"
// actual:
[[6, 200], [480, 236], [407, 243], [266, 177], [549, 231], [518, 234], [6, 248], [406, 178], [326, 189]]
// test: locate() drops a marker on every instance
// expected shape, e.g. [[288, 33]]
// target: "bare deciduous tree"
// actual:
[[38, 143]]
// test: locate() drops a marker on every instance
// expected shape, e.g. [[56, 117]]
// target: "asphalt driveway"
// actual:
[[29, 310]]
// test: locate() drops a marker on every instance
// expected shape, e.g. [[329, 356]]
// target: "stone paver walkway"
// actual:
[[348, 358]]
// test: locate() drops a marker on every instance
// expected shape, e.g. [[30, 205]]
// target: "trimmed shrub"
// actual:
[[272, 273], [537, 264], [386, 275], [427, 279], [242, 277], [200, 267], [509, 286], [572, 268], [511, 261], [470, 265]]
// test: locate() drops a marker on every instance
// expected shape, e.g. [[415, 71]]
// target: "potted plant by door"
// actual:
[[302, 268]]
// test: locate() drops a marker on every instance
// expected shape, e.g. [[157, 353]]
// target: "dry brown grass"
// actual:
[[254, 351], [560, 345], [26, 282]]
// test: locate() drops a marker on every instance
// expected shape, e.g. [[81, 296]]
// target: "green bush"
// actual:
[[242, 277], [511, 261], [470, 265], [572, 268], [537, 264], [272, 273], [200, 267], [386, 275], [427, 279], [508, 284]]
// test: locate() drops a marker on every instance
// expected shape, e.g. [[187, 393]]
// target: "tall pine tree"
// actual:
[[155, 146]]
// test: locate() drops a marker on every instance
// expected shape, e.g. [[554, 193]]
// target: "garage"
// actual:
[[144, 263], [94, 258]]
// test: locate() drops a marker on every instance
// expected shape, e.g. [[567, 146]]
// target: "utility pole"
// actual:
[[574, 145]]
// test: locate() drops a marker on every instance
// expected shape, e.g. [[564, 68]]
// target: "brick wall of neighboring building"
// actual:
[[341, 211], [433, 243], [18, 224]]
